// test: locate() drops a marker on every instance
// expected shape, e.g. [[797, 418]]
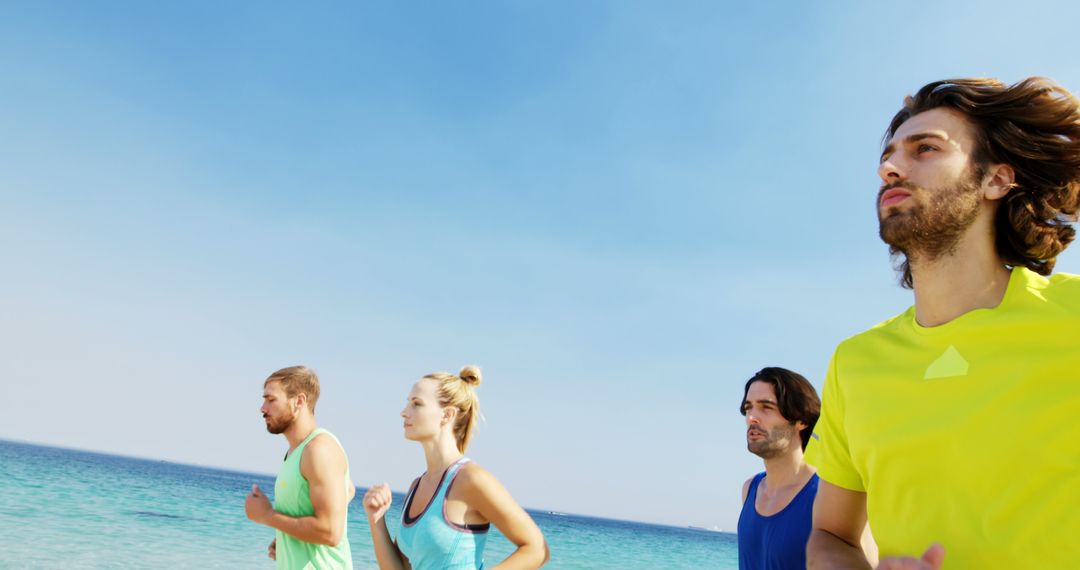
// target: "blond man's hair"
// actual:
[[297, 380]]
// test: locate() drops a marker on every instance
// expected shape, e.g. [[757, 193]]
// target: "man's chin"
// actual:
[[896, 232], [764, 451]]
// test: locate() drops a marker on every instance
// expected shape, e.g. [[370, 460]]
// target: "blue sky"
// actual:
[[620, 210]]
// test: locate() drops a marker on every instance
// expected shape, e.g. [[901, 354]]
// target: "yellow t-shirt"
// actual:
[[966, 433]]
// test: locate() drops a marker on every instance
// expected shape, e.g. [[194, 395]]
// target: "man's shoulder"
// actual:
[[1063, 289], [889, 326], [746, 484], [323, 437], [750, 480], [322, 441], [1067, 278], [323, 447]]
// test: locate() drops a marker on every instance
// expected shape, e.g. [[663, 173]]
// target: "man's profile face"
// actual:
[[277, 408], [768, 433], [931, 190]]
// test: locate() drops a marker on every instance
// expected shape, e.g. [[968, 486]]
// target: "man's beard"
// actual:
[[932, 228], [278, 426], [776, 442]]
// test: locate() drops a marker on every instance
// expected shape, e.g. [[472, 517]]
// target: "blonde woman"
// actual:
[[449, 509]]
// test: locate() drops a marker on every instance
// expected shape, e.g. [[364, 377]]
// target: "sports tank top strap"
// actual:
[[448, 481], [300, 448], [299, 452], [465, 527], [751, 493], [348, 474], [435, 503], [409, 496], [453, 471]]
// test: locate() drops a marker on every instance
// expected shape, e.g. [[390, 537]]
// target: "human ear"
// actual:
[[999, 180]]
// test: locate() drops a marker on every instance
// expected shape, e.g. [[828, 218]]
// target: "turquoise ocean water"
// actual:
[[61, 508]]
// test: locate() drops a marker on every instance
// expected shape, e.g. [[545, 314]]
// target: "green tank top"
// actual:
[[293, 498]]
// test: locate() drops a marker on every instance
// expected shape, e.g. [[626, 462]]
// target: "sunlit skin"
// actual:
[[930, 150], [926, 167], [477, 497], [423, 418]]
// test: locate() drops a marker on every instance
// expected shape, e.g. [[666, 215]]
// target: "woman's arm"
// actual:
[[376, 502], [480, 490]]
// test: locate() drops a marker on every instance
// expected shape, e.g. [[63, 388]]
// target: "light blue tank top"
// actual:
[[431, 542]]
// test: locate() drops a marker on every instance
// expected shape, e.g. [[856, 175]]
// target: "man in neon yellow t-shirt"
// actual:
[[953, 426], [313, 487]]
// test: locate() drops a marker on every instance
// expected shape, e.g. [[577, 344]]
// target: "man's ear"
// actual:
[[301, 401], [999, 179]]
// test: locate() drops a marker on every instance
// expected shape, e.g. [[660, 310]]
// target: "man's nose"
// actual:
[[892, 170]]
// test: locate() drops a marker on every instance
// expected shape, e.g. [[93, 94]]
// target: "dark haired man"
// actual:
[[953, 425], [781, 408]]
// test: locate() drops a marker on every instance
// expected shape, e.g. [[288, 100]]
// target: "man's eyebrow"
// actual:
[[910, 139], [745, 402]]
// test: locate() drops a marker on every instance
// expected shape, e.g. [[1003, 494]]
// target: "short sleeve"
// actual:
[[828, 447]]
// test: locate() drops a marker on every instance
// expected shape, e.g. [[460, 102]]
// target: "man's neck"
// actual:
[[300, 430], [970, 277], [787, 469]]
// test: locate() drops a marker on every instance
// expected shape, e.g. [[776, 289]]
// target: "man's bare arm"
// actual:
[[323, 465], [837, 530]]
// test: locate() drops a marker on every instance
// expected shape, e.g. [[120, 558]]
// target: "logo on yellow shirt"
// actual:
[[949, 364]]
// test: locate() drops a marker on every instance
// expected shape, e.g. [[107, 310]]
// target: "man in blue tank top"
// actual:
[[781, 408]]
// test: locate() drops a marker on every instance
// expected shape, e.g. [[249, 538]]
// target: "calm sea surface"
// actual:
[[61, 508]]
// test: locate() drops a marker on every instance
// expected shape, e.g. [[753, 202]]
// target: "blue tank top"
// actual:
[[776, 542], [430, 541]]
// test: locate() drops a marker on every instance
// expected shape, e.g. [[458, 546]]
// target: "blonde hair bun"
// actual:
[[470, 375], [456, 391]]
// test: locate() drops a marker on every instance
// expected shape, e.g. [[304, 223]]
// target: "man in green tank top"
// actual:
[[313, 487]]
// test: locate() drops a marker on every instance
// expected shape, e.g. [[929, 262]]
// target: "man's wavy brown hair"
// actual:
[[1033, 126]]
